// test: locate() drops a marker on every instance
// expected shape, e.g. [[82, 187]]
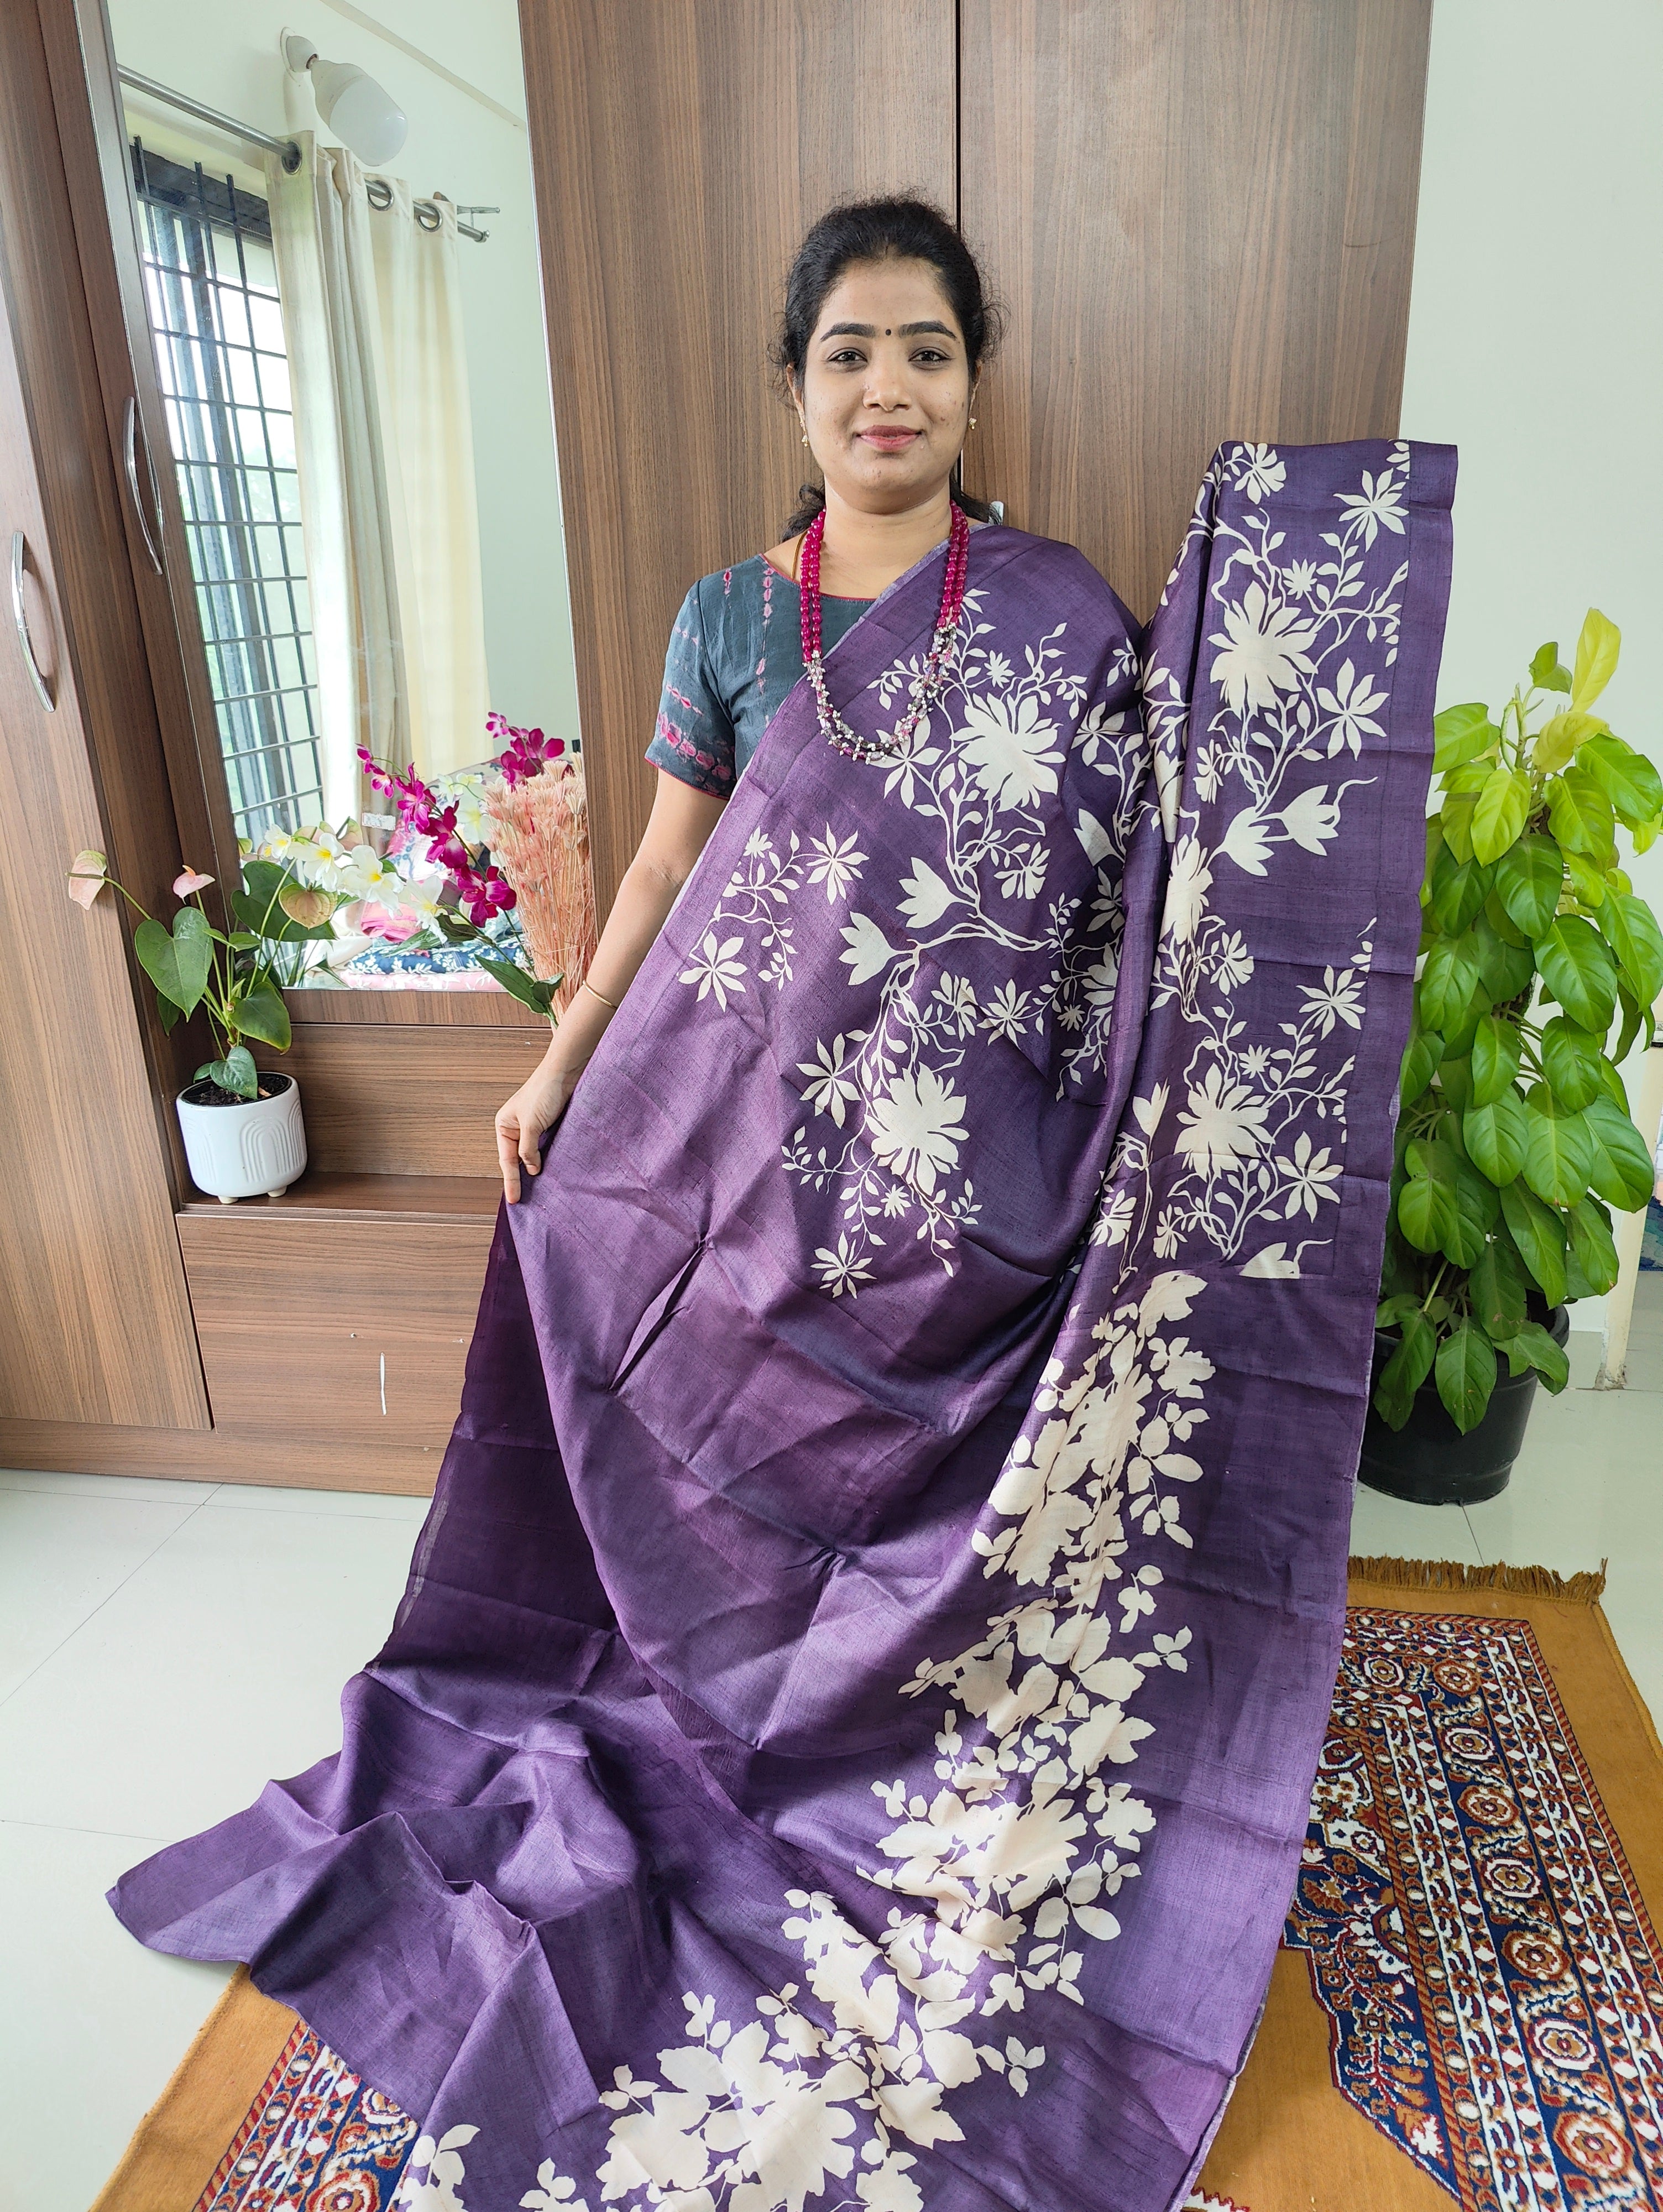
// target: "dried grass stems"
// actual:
[[540, 840]]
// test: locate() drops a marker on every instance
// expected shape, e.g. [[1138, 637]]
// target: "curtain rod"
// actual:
[[285, 148]]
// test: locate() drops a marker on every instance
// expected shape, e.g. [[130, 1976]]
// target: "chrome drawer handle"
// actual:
[[20, 616], [131, 443]]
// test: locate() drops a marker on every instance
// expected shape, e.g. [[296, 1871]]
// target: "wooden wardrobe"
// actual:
[[1199, 215]]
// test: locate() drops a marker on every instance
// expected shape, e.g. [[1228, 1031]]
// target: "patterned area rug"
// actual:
[[1490, 2027], [1475, 1931]]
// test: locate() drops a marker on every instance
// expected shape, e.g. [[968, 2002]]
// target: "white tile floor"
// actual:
[[165, 1647]]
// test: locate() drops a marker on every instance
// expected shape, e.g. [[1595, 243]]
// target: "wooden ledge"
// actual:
[[320, 1195]]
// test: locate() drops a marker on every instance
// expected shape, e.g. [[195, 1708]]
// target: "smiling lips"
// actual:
[[890, 440]]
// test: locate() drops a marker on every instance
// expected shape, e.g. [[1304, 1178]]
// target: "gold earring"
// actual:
[[973, 422], [806, 437]]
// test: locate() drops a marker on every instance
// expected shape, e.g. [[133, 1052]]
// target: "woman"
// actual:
[[847, 1736], [885, 333]]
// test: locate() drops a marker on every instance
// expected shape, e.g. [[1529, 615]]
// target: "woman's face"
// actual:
[[886, 386]]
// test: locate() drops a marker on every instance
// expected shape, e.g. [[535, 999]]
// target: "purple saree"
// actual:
[[847, 1736]]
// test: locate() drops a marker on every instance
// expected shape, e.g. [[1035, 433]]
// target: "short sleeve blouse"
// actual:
[[736, 651]]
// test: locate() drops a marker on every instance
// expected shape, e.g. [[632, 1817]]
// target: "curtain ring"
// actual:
[[427, 214], [378, 192]]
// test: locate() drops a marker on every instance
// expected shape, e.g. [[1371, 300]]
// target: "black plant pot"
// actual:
[[1428, 1460]]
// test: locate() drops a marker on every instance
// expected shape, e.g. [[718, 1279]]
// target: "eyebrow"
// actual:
[[870, 330]]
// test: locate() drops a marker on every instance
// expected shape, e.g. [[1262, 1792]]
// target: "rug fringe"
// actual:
[[1584, 1589]]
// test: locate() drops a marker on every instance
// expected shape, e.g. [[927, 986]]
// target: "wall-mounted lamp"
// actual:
[[361, 113]]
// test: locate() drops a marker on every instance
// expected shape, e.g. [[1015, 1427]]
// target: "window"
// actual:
[[210, 283]]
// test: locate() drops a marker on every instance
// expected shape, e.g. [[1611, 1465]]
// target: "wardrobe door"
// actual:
[[1203, 218], [680, 149], [97, 1325]]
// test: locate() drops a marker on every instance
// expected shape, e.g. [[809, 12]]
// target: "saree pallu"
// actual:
[[848, 1735]]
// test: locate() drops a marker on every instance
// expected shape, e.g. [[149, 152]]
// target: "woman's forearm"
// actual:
[[681, 824]]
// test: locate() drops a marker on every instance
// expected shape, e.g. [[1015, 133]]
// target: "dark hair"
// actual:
[[886, 229]]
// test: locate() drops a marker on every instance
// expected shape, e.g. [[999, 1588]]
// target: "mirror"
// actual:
[[351, 352]]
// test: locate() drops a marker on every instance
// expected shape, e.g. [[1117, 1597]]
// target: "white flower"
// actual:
[[1223, 1126], [554, 2192], [924, 896], [715, 969], [1264, 651], [1009, 750], [831, 1086], [1351, 702], [1005, 1012], [956, 997], [1300, 578], [1246, 842], [1232, 963], [916, 1128], [1308, 1178], [1259, 470], [1097, 732], [1186, 893], [1313, 818], [837, 862], [869, 950], [841, 1270], [1377, 505], [888, 2189], [1339, 998]]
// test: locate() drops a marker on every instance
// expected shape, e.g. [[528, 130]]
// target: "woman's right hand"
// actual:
[[523, 1120]]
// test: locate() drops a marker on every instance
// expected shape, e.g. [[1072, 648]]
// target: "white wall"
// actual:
[[1536, 344], [225, 52]]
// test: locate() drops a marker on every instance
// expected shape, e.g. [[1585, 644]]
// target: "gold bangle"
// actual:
[[586, 985]]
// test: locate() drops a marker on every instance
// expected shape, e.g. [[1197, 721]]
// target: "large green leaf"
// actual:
[[1466, 1375], [1538, 1348], [1458, 889], [1622, 1171], [260, 1013], [1577, 968], [1499, 814], [1420, 1060], [1555, 742], [1630, 929], [178, 962], [1406, 1370], [1494, 1059], [1581, 815], [1456, 820], [1495, 1137], [1627, 778], [1539, 1234], [1505, 969], [1462, 734], [1558, 1150], [1448, 983], [1592, 1244], [1596, 658], [1427, 1214], [1571, 1059], [1587, 880], [1496, 1289], [1529, 877]]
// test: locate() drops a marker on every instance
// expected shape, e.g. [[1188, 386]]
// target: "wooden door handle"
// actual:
[[20, 617], [130, 442]]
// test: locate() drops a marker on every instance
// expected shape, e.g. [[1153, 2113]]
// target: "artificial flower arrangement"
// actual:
[[1513, 1134]]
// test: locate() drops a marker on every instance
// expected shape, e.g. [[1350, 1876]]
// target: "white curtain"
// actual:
[[372, 315]]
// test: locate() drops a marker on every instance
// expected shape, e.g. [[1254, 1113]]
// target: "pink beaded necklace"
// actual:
[[928, 680]]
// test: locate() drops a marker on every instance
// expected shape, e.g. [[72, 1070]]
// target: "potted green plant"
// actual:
[[1513, 1134], [241, 1125]]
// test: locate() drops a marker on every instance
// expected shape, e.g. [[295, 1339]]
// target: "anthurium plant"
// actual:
[[1513, 1137], [234, 975]]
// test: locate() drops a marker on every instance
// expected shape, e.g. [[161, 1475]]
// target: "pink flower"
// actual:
[[394, 927], [87, 872], [189, 881]]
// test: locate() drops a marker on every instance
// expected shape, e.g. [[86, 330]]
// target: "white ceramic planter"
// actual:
[[252, 1149]]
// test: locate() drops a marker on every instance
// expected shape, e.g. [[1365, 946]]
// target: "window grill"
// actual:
[[210, 289]]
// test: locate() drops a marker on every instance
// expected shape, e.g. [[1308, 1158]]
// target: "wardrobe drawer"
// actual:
[[340, 1328]]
